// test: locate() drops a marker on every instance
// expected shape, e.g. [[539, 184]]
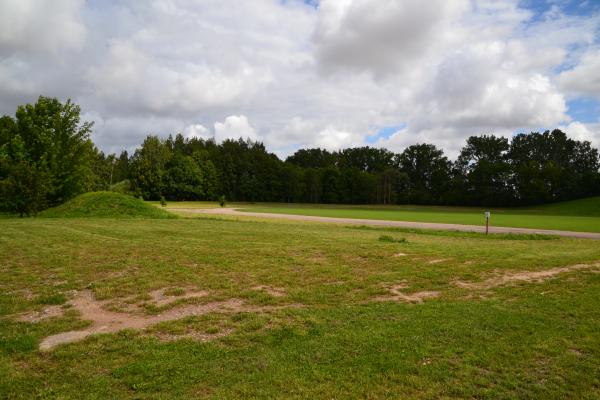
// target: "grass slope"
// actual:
[[105, 205], [520, 340], [589, 207], [579, 215]]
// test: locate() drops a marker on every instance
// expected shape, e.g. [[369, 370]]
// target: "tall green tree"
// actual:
[[47, 155], [486, 170], [25, 185], [312, 158], [121, 168], [428, 172], [549, 166], [148, 166]]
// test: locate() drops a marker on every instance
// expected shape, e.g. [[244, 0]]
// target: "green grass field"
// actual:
[[580, 215], [325, 311]]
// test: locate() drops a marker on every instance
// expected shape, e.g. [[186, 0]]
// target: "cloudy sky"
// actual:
[[293, 74]]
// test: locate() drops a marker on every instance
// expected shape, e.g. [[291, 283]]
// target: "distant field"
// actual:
[[581, 215]]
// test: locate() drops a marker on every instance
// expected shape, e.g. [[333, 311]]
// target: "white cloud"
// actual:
[[304, 76], [581, 131], [234, 127], [584, 78], [197, 131], [331, 138], [131, 80], [383, 36], [33, 25]]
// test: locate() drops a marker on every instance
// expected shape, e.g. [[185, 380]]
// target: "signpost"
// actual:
[[487, 222]]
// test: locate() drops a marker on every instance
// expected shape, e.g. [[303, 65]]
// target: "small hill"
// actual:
[[105, 205]]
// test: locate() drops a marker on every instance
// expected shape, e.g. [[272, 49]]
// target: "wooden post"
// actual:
[[487, 222]]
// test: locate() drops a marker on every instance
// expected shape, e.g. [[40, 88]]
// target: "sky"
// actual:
[[298, 74]]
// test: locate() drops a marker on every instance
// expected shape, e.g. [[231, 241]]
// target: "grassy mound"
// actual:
[[105, 205]]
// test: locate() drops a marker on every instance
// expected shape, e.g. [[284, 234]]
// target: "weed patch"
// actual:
[[390, 239], [51, 299], [458, 234]]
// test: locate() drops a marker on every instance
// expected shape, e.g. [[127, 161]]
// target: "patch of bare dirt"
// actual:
[[38, 316], [397, 295], [198, 336], [437, 261], [273, 291], [576, 352], [161, 298], [104, 321], [525, 276], [27, 294], [400, 255], [110, 321]]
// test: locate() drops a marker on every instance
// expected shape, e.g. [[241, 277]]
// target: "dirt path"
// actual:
[[402, 224], [106, 321], [525, 276]]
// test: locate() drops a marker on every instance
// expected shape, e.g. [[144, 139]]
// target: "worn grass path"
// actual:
[[387, 223]]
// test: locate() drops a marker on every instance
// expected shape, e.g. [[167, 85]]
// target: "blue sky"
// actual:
[[580, 108], [572, 7]]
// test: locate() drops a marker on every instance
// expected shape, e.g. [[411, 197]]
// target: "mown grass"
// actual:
[[525, 340], [581, 215], [459, 234]]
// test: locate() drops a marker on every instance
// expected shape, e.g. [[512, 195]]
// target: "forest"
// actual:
[[47, 157]]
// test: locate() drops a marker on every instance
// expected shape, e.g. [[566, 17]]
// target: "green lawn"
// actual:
[[581, 215], [328, 336]]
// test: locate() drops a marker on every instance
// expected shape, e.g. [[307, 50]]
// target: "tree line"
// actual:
[[47, 157]]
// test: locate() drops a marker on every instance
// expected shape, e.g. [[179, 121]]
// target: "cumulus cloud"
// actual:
[[197, 131], [116, 133], [584, 78], [581, 131], [295, 75], [130, 80], [234, 127], [331, 138], [47, 26], [383, 36]]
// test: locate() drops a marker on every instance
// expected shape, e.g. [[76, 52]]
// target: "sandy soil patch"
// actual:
[[273, 291], [525, 276], [37, 316], [397, 295], [160, 298], [197, 336], [104, 321], [437, 261], [108, 321]]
